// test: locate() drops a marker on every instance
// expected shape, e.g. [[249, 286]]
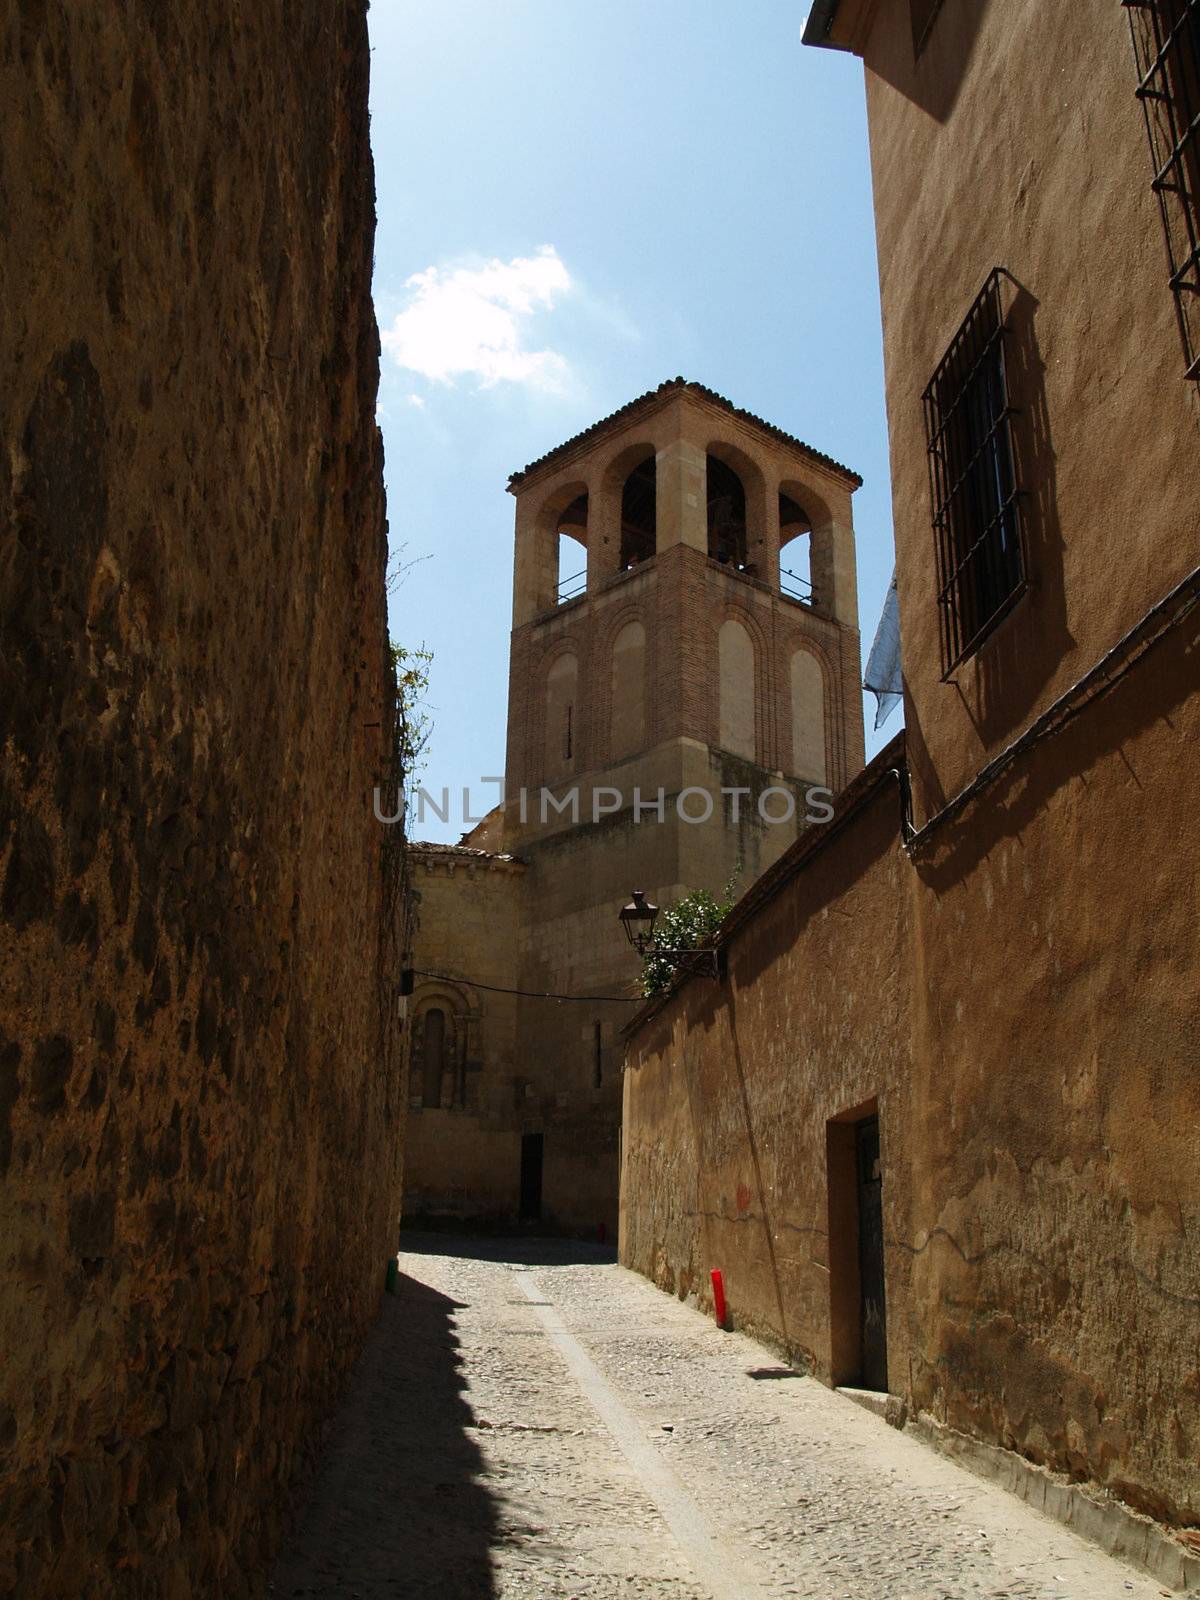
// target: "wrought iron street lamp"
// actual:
[[638, 917]]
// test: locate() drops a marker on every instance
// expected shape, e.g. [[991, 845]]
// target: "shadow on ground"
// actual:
[[520, 1250], [397, 1508]]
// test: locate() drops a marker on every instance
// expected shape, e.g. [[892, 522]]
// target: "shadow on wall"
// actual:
[[1025, 651], [753, 1208], [1153, 693], [1001, 684], [932, 78], [756, 1166], [398, 1506]]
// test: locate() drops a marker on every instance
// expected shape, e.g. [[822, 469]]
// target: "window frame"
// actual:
[[975, 498], [1169, 91]]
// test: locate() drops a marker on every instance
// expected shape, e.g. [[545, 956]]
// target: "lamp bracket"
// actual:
[[706, 963]]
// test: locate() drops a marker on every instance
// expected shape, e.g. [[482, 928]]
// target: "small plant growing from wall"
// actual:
[[686, 925], [408, 743], [411, 725], [414, 723]]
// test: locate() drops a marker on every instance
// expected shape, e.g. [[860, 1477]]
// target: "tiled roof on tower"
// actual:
[[655, 397]]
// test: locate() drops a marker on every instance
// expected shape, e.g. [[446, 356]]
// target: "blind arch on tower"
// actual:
[[628, 714], [736, 699], [561, 732], [809, 758]]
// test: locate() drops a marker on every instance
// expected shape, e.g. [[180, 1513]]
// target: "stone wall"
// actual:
[[200, 1104], [463, 1143]]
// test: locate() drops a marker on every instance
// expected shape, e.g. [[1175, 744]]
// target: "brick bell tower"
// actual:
[[706, 652]]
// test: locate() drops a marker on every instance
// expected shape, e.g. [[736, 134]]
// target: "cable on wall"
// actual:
[[535, 994]]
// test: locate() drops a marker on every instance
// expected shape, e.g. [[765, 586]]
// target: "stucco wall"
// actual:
[[1035, 963], [729, 1088], [1016, 140], [200, 1107], [1056, 1100], [1054, 1001]]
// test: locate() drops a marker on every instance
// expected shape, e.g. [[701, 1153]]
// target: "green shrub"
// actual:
[[686, 925]]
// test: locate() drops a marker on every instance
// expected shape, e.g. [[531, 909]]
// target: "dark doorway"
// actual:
[[872, 1308], [531, 1176]]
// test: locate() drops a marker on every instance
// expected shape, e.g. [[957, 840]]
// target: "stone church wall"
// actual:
[[200, 1105], [463, 1146]]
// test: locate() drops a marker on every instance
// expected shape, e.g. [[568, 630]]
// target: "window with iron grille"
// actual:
[[1166, 41], [976, 506]]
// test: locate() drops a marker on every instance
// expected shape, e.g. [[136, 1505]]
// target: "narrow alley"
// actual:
[[531, 1419]]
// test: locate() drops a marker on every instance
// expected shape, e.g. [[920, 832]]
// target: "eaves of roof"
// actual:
[[819, 25], [460, 852], [840, 24], [650, 401]]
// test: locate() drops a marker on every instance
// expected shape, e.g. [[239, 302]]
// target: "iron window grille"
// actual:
[[973, 489], [1166, 43]]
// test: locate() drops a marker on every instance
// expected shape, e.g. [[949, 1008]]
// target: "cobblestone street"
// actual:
[[529, 1419]]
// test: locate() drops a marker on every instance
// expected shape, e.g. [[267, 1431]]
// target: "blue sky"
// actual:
[[578, 199]]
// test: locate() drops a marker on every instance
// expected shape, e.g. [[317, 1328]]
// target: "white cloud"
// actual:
[[468, 322]]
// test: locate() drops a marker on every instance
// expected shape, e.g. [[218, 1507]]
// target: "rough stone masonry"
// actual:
[[199, 1091]]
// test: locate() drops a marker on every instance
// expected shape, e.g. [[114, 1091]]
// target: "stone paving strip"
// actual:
[[530, 1419]]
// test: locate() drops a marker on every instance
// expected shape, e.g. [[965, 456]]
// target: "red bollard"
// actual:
[[718, 1284]]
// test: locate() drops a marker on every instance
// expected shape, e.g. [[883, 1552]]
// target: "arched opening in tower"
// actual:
[[795, 568], [572, 550], [639, 513], [726, 514]]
